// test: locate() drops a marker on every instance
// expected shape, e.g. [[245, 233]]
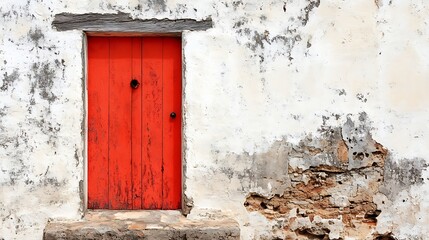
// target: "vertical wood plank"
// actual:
[[98, 120], [136, 123], [120, 124], [172, 102], [152, 123]]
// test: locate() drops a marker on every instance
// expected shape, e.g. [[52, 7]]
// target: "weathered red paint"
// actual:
[[172, 75], [134, 146], [152, 123]]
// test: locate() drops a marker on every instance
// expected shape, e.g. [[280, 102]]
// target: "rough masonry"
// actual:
[[333, 181]]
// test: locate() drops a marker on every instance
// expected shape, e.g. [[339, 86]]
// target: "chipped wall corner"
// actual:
[[302, 119]]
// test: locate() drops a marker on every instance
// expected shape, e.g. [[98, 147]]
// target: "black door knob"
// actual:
[[134, 83], [173, 115]]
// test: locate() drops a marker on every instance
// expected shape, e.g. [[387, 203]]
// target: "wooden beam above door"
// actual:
[[124, 23]]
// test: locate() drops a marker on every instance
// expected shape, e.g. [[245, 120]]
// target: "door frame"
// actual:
[[83, 185]]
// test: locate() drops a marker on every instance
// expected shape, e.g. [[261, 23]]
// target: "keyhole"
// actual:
[[134, 83]]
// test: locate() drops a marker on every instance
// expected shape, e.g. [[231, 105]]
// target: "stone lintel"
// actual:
[[124, 23]]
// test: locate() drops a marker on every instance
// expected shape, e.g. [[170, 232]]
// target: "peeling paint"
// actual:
[[36, 35], [312, 4], [157, 5], [8, 80], [188, 205], [401, 175], [44, 75]]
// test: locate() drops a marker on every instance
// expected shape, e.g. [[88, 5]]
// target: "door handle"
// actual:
[[173, 115]]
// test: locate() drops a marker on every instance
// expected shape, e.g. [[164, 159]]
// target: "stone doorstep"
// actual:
[[113, 224]]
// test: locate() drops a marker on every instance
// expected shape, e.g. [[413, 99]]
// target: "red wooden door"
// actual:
[[134, 132]]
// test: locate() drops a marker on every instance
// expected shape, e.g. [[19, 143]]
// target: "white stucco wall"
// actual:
[[267, 71]]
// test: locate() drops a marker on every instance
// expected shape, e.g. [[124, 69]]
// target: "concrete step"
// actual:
[[111, 224]]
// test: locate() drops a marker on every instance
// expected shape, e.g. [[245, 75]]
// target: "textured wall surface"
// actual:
[[304, 119]]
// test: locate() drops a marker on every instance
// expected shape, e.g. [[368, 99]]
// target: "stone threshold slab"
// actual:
[[112, 224]]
